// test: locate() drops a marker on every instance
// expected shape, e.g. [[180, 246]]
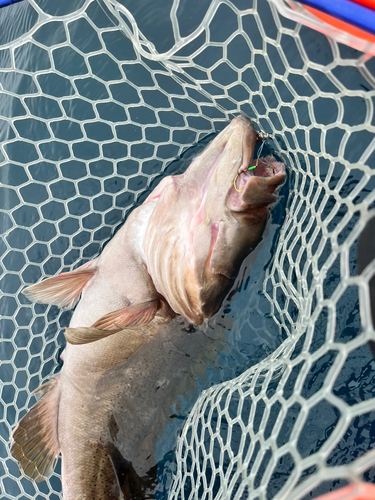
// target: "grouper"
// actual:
[[135, 342]]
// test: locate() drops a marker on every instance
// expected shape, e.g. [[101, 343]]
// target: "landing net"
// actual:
[[97, 98]]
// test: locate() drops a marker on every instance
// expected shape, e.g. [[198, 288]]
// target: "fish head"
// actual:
[[207, 220]]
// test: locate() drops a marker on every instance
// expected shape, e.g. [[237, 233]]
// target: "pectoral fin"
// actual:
[[62, 290], [134, 316], [85, 335], [35, 441]]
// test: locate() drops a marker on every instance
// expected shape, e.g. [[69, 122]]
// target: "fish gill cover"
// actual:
[[97, 98]]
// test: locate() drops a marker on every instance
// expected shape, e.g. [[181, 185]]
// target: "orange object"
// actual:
[[343, 26], [355, 491]]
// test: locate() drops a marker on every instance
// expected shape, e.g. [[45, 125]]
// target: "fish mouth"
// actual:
[[256, 184], [266, 168], [232, 177]]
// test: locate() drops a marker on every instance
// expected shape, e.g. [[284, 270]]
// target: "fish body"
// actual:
[[121, 410], [129, 350]]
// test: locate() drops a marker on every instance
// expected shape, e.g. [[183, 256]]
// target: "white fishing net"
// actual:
[[97, 97]]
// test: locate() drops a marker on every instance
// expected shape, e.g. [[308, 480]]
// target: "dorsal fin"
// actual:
[[62, 290], [134, 316], [35, 441]]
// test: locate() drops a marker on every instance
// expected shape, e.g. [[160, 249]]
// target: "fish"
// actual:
[[139, 335], [359, 490]]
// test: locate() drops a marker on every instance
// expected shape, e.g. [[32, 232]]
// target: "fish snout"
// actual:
[[256, 185]]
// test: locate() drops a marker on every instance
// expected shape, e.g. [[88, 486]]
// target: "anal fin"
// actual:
[[134, 316], [62, 290], [35, 440]]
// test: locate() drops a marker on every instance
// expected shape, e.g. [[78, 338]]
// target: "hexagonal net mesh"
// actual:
[[97, 98]]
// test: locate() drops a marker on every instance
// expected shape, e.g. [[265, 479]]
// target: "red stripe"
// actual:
[[348, 28], [367, 3]]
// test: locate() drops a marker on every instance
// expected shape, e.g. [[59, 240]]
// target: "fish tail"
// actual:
[[35, 443]]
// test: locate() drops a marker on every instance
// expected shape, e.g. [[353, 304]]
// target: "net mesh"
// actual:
[[97, 97]]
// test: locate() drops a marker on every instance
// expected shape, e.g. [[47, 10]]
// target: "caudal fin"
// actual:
[[62, 290], [35, 442]]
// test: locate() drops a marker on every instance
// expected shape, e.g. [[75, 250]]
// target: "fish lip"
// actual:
[[267, 166], [267, 171], [234, 154], [252, 190]]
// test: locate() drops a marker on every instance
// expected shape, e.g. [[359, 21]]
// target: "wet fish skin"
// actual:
[[125, 405], [217, 228], [176, 256]]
